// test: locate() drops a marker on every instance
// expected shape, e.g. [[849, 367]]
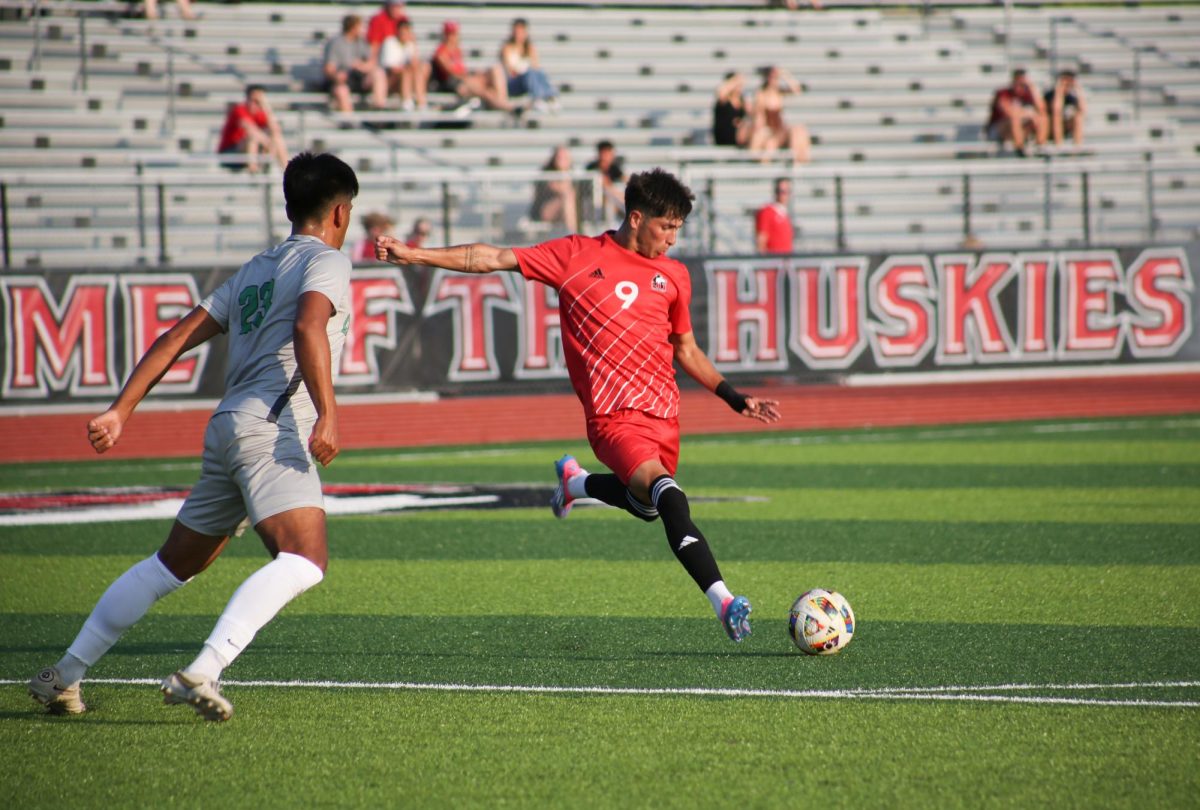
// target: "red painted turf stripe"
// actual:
[[493, 419]]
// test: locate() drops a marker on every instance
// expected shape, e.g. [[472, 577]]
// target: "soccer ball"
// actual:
[[821, 622]]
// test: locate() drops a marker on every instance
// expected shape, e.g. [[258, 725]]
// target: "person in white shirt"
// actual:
[[286, 313]]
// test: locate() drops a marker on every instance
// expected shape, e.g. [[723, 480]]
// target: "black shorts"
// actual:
[[449, 84], [355, 80]]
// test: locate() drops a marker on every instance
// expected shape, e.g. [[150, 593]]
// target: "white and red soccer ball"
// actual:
[[821, 622]]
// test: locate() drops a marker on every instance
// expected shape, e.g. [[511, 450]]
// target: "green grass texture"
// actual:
[[1027, 595]]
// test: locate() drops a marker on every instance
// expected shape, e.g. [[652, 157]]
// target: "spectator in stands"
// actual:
[[384, 24], [609, 194], [185, 9], [252, 128], [450, 75], [349, 67], [554, 197], [773, 231], [769, 132], [731, 123], [1018, 111], [408, 74], [375, 224], [422, 229], [1066, 107], [522, 70]]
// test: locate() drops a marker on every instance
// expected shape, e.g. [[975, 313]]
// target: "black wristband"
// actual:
[[735, 400]]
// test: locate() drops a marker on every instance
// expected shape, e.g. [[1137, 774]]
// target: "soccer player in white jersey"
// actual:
[[625, 320], [286, 312]]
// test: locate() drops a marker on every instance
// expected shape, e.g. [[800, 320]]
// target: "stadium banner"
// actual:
[[74, 336]]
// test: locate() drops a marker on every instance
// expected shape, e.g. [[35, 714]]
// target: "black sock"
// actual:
[[608, 488], [685, 540]]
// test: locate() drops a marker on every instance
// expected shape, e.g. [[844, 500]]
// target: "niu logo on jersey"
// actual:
[[597, 273], [658, 283]]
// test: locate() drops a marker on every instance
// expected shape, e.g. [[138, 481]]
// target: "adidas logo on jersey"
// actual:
[[597, 273], [658, 283]]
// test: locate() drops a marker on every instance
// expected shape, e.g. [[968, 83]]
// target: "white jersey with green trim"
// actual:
[[257, 309]]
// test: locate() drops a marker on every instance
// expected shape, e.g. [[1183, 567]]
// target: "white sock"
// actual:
[[125, 601], [253, 604], [575, 487], [717, 593]]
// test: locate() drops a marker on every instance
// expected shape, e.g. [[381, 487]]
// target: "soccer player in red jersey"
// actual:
[[624, 312]]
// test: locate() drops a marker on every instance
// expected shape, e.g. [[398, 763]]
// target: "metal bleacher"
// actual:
[[110, 123]]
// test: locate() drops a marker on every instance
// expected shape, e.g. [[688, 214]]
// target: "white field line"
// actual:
[[933, 693]]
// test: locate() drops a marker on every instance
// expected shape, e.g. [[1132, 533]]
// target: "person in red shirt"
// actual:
[[250, 128], [450, 75], [773, 231], [1018, 111], [624, 310], [384, 24]]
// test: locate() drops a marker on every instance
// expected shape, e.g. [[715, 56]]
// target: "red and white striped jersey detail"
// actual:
[[618, 310]]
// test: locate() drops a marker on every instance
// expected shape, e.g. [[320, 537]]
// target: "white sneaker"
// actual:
[[199, 693], [408, 105], [48, 689]]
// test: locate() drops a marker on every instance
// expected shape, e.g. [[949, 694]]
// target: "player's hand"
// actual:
[[764, 410], [104, 430], [391, 249], [323, 443]]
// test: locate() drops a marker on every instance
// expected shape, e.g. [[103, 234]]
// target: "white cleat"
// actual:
[[48, 689], [199, 693]]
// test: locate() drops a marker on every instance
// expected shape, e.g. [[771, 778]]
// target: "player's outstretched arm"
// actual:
[[195, 328], [695, 362], [474, 258]]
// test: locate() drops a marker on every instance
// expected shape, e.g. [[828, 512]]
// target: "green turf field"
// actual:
[[1028, 599]]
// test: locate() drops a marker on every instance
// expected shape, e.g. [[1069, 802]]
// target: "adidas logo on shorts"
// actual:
[[597, 273]]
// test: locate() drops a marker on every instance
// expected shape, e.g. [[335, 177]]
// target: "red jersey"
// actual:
[[382, 26], [1022, 95], [454, 64], [772, 219], [617, 311], [234, 131]]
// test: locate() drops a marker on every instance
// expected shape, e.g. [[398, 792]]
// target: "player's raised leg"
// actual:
[[574, 482], [185, 554], [297, 540]]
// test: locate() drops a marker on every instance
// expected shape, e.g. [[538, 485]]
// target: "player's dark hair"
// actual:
[[1019, 73], [254, 88], [605, 145], [658, 193], [312, 183], [349, 21], [780, 181]]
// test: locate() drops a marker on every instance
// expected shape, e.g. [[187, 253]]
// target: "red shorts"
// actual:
[[625, 440]]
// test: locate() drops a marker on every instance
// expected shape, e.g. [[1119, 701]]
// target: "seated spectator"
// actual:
[[251, 128], [768, 131], [450, 75], [731, 123], [376, 225], [349, 68], [1066, 107], [554, 198], [185, 9], [422, 229], [408, 74], [1018, 111], [519, 58], [773, 232], [609, 197], [383, 25]]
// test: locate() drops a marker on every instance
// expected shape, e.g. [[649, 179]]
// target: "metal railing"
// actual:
[[853, 207]]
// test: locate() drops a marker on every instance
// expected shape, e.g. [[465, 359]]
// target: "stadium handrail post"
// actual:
[[966, 205], [839, 211], [1085, 206], [163, 258], [4, 225]]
